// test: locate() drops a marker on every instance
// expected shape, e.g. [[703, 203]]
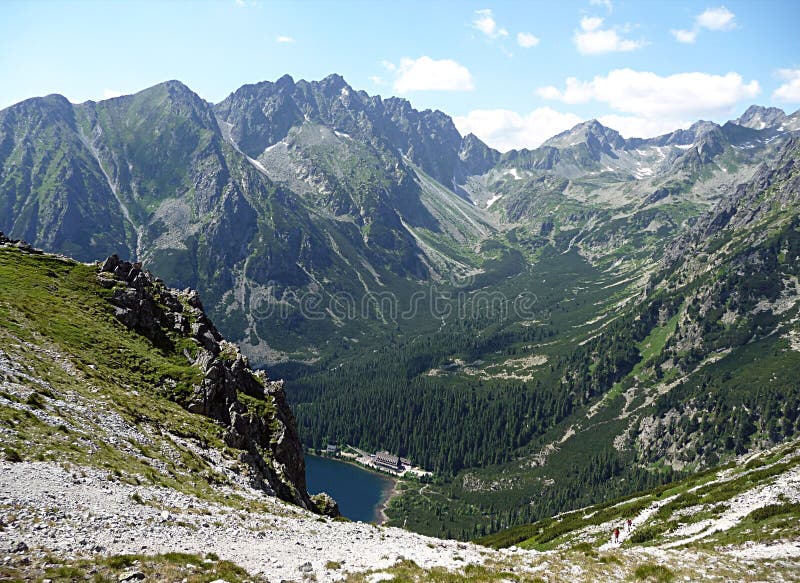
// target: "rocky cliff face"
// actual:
[[263, 114], [254, 201], [264, 428]]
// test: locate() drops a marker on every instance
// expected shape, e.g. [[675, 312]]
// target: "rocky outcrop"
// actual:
[[263, 114], [265, 430], [326, 504], [21, 245]]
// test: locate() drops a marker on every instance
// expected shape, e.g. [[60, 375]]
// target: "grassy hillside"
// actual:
[[754, 499], [687, 370], [79, 387]]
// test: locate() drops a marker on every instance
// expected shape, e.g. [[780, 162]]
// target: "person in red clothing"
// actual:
[[616, 535], [629, 525]]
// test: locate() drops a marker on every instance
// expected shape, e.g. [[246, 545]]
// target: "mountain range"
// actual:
[[543, 328]]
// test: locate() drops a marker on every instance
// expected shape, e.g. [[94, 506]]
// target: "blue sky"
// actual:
[[512, 72]]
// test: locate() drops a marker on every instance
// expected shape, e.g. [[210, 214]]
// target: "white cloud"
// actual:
[[640, 127], [484, 21], [377, 80], [504, 129], [645, 94], [685, 36], [112, 93], [551, 92], [607, 3], [526, 40], [589, 23], [426, 74], [284, 39], [712, 19], [789, 91], [717, 19], [388, 65], [594, 40]]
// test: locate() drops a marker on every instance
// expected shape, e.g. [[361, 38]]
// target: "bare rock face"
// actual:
[[267, 437]]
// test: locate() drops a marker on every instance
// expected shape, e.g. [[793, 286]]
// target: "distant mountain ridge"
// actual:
[[516, 310], [284, 185], [155, 174]]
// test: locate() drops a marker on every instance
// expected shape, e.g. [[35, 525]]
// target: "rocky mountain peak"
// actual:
[[48, 109], [173, 91], [592, 133], [758, 118], [172, 97], [286, 82], [176, 87], [703, 128], [263, 114], [333, 83], [476, 156]]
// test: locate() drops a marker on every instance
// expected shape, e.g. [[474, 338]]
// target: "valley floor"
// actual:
[[53, 514]]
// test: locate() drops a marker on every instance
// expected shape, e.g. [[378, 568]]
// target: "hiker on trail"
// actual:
[[616, 535], [629, 525]]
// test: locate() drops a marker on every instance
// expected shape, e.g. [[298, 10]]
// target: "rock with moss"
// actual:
[[252, 408], [326, 505]]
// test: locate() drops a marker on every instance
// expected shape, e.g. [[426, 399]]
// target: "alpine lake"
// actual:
[[360, 493]]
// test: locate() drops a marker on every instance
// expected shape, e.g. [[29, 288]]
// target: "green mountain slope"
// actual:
[[753, 500], [163, 176], [52, 190], [106, 367], [699, 367]]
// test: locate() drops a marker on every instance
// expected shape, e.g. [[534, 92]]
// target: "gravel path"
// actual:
[[639, 520], [784, 487], [78, 511]]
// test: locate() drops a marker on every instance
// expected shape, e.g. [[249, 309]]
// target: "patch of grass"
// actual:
[[121, 561], [190, 568], [653, 572], [644, 534], [410, 572], [12, 455], [65, 573], [35, 400], [262, 407], [761, 514]]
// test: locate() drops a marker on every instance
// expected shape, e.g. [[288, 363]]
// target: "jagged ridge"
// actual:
[[215, 381]]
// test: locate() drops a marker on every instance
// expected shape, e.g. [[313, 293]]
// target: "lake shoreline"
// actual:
[[393, 493], [388, 492], [353, 463]]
